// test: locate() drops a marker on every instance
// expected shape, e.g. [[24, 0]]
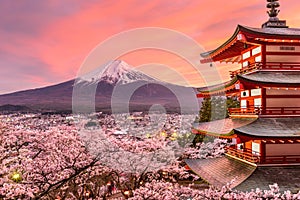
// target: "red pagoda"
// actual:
[[266, 126]]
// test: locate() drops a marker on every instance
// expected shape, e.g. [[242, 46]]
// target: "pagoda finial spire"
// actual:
[[273, 5], [273, 11]]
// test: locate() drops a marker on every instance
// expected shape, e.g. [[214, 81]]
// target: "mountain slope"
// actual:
[[118, 84]]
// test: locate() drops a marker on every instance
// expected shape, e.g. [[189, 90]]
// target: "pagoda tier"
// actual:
[[248, 44], [264, 93], [258, 141], [266, 138], [268, 94]]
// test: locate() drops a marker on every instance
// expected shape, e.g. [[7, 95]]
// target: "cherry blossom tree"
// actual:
[[136, 160], [57, 163], [206, 150], [61, 162], [44, 164]]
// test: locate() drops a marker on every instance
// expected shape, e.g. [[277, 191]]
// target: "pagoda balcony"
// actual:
[[256, 158], [267, 66], [243, 154], [254, 111], [244, 111], [244, 70]]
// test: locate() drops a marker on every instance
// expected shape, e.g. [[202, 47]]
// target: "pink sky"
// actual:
[[45, 42]]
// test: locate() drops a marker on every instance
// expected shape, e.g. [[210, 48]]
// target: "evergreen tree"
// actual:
[[216, 108], [205, 111]]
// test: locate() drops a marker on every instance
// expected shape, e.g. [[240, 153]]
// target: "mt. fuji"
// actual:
[[115, 72], [144, 91]]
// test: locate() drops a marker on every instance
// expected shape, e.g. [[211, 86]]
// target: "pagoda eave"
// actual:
[[271, 128], [247, 136], [228, 89], [266, 84], [215, 135], [247, 36]]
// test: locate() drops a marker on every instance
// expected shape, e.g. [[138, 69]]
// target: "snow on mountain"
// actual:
[[115, 72]]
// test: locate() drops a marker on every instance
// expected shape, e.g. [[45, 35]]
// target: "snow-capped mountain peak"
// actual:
[[114, 72], [116, 69]]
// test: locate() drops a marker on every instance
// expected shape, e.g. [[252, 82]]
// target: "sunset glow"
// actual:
[[45, 42]]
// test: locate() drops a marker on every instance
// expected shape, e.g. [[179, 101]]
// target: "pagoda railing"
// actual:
[[266, 66], [244, 111], [255, 157], [265, 111], [250, 68], [245, 154]]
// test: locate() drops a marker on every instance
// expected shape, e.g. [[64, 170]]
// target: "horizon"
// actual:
[[42, 46]]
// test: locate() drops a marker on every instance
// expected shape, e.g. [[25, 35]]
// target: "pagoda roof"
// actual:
[[272, 127], [220, 89], [232, 48], [285, 78], [221, 128], [221, 171], [273, 33]]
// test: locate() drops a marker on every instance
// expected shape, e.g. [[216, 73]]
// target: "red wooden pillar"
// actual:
[[263, 152], [263, 100], [263, 55]]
